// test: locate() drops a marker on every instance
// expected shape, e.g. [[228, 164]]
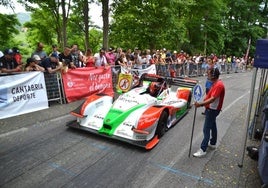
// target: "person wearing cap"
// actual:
[[39, 51], [8, 63], [32, 65], [52, 64], [36, 58]]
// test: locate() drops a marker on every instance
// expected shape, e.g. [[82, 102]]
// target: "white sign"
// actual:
[[22, 93]]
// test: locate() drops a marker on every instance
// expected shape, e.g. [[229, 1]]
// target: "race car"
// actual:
[[140, 116]]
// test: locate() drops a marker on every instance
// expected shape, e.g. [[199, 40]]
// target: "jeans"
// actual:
[[210, 126]]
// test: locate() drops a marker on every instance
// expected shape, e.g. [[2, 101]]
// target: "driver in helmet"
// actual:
[[155, 88]]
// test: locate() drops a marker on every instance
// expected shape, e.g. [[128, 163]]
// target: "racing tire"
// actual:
[[189, 101], [162, 124]]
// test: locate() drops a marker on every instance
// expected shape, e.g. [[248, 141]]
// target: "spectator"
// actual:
[[51, 64], [148, 58], [54, 50], [100, 59], [8, 63], [66, 58], [118, 53], [122, 60], [39, 51], [37, 60], [17, 55], [130, 60], [110, 56], [32, 65], [137, 61], [77, 56], [89, 59]]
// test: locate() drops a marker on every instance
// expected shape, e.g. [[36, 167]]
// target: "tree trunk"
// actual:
[[64, 22], [86, 21], [105, 17]]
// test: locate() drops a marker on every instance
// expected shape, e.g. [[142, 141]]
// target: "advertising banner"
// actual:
[[22, 93], [81, 82]]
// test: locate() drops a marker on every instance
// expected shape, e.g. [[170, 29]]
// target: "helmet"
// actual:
[[154, 88]]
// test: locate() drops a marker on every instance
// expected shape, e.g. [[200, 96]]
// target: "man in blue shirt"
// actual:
[[52, 64]]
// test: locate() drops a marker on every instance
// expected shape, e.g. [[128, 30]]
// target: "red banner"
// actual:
[[82, 82]]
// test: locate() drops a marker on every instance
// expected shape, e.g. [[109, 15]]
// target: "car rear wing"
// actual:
[[182, 82], [171, 81]]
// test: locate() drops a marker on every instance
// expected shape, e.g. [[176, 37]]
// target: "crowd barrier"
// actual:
[[194, 70], [55, 91], [55, 86]]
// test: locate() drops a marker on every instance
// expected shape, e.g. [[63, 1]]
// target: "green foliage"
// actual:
[[41, 29], [196, 26], [147, 24], [9, 28], [76, 30], [242, 22]]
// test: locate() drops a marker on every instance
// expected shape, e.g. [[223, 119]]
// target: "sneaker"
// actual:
[[212, 146], [200, 153]]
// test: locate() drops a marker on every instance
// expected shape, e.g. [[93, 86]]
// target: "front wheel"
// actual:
[[162, 124], [189, 101]]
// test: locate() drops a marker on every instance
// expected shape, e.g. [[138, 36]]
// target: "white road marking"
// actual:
[[24, 129], [157, 179], [13, 132]]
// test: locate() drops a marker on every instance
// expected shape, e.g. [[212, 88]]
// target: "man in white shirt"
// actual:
[[100, 59]]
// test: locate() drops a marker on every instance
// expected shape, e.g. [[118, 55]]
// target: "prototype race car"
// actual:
[[140, 116]]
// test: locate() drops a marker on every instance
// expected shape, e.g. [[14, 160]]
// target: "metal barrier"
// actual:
[[54, 87], [195, 70], [55, 90]]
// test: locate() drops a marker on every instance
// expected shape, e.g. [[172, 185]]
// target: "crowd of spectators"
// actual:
[[167, 62]]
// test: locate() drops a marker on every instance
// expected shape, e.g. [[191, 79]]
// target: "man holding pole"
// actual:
[[213, 104]]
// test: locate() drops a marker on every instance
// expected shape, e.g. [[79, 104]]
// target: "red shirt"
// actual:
[[90, 62], [217, 91]]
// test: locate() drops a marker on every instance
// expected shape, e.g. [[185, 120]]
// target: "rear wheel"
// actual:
[[162, 124]]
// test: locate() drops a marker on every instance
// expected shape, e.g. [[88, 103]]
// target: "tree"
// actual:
[[205, 28], [10, 23], [80, 22], [148, 23], [41, 29], [105, 17], [51, 8], [244, 21]]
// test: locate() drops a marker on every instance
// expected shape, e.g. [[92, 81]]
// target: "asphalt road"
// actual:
[[38, 150]]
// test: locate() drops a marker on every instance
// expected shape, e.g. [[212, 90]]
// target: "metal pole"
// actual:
[[192, 133], [248, 114], [258, 103]]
